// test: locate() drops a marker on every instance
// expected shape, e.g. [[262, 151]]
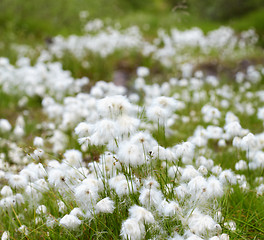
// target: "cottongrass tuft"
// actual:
[[70, 222]]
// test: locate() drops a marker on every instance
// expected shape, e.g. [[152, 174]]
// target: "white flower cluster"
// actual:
[[167, 48], [152, 159], [41, 80], [131, 157], [104, 43]]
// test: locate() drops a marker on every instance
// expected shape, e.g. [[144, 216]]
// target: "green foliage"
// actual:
[[247, 211], [224, 9], [43, 18], [254, 19]]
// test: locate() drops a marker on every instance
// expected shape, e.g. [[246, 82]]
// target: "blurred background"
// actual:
[[25, 23], [35, 20]]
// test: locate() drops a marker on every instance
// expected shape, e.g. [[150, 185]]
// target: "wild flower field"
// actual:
[[169, 149]]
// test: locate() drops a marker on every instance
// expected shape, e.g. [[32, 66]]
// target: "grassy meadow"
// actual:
[[130, 120]]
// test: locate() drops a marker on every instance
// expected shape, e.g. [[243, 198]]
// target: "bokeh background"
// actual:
[[30, 20]]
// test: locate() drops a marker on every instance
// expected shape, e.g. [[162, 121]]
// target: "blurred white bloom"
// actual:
[[202, 225], [83, 14], [114, 106], [151, 182], [132, 229], [233, 128], [210, 113], [77, 212], [214, 132], [6, 191], [197, 185], [127, 125], [142, 71], [37, 154], [224, 236], [171, 209], [5, 126], [125, 187], [23, 229], [71, 222], [248, 142], [227, 176], [231, 225], [158, 114], [86, 195], [260, 189], [5, 235], [58, 178], [237, 142], [83, 129], [62, 206], [19, 131], [189, 172], [38, 220], [38, 142], [51, 222], [176, 237], [203, 170], [174, 171], [241, 165], [105, 130], [130, 154], [185, 151], [106, 205], [214, 238], [221, 143], [150, 197], [73, 157], [93, 183], [261, 113], [141, 214], [17, 181], [214, 188], [41, 209]]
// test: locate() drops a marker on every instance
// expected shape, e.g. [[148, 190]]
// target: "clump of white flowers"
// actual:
[[70, 222], [144, 163]]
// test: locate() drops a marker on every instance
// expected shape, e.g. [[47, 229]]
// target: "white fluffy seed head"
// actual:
[[17, 181], [38, 142], [73, 157], [131, 229], [142, 71], [141, 214], [197, 185], [83, 129], [5, 126], [86, 195], [77, 212], [5, 235], [233, 128], [41, 209], [106, 205], [130, 154], [6, 191], [125, 187], [171, 209], [241, 165], [70, 222], [214, 188], [151, 183], [189, 172], [114, 106], [150, 197], [224, 236]]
